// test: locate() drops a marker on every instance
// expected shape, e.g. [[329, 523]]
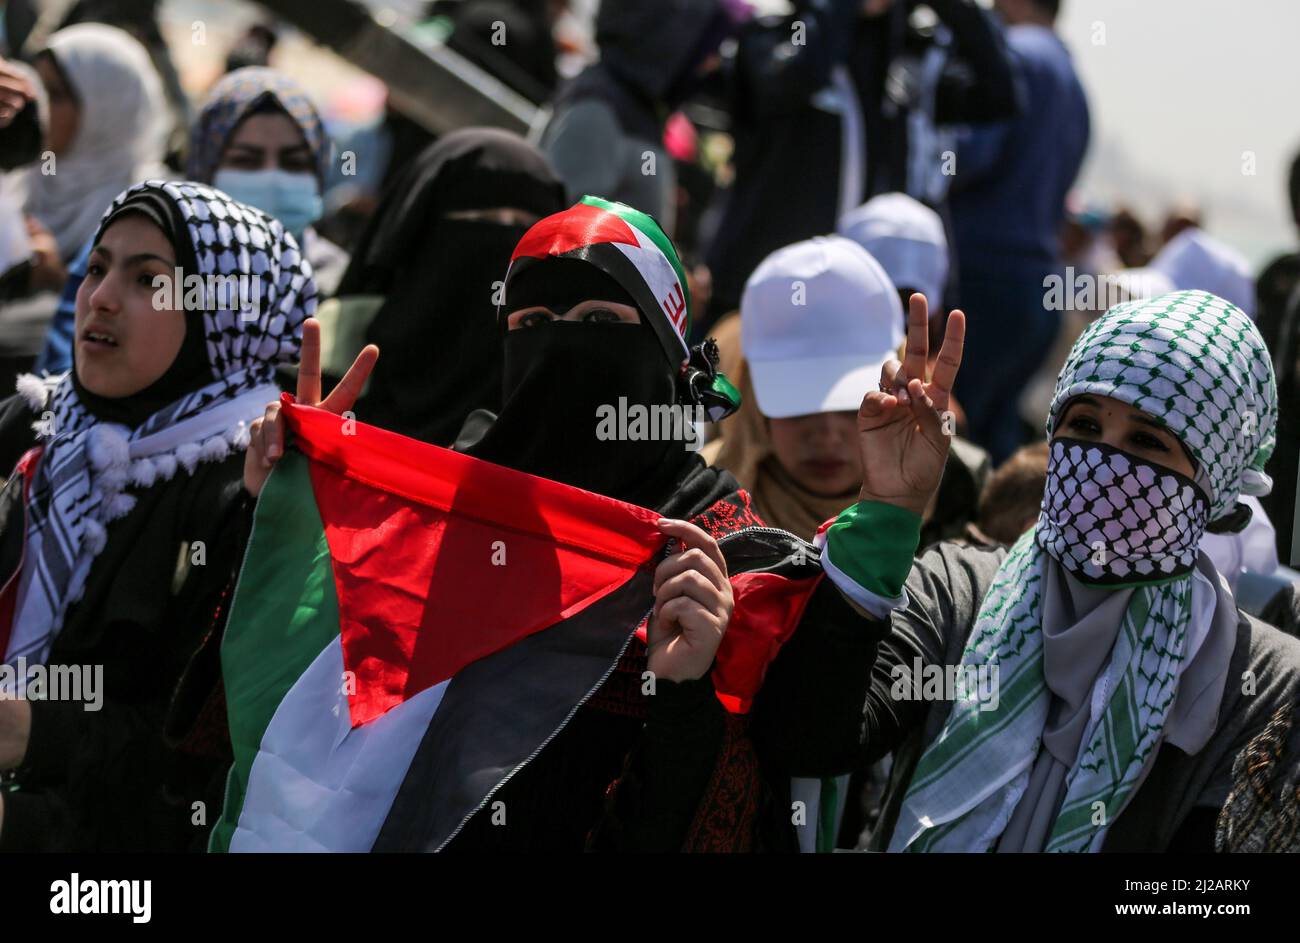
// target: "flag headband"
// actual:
[[626, 245]]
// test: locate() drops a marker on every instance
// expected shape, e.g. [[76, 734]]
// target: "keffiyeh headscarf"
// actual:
[[1196, 363], [81, 482], [233, 99]]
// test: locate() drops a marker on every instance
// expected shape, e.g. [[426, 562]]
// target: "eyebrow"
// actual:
[[1146, 420], [259, 149], [133, 259]]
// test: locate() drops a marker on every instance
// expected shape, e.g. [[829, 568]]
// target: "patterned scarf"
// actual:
[[1196, 363], [233, 99], [79, 485]]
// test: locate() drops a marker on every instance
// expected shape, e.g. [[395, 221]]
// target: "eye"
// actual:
[[297, 162], [94, 270], [1150, 441], [600, 316], [534, 319], [1085, 424]]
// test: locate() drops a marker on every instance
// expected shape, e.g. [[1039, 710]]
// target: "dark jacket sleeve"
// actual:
[[840, 693], [979, 83], [652, 806]]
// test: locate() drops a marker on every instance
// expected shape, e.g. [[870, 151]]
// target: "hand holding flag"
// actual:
[[693, 604], [266, 436]]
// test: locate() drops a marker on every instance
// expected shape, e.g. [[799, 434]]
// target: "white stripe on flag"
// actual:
[[660, 276], [318, 786]]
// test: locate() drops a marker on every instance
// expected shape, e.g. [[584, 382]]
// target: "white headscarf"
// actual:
[[120, 138]]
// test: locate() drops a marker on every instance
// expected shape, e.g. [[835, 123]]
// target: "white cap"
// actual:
[[1195, 259], [907, 238], [817, 321]]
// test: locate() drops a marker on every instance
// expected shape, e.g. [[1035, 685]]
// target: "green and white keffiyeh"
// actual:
[[1198, 364]]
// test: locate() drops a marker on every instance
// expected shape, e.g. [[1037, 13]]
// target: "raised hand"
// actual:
[[693, 604], [266, 435], [15, 92], [903, 434]]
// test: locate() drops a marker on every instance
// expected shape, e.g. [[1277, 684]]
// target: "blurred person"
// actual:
[[1195, 259], [1008, 206], [1013, 497], [429, 267], [122, 524], [1008, 767], [1185, 214], [1278, 297], [253, 48], [908, 240], [103, 130], [107, 126], [1250, 549], [605, 134], [837, 102], [1128, 237], [140, 18], [510, 39], [257, 139]]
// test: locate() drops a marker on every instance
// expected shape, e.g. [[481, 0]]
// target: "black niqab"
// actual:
[[437, 328]]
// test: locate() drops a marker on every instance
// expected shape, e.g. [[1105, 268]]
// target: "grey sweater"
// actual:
[[1175, 805]]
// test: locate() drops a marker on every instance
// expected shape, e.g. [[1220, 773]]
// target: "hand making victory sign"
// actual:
[[902, 433], [266, 436]]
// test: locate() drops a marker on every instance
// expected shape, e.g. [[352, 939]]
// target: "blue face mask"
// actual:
[[292, 198]]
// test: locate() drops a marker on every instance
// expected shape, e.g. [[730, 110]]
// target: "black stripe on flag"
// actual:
[[499, 711]]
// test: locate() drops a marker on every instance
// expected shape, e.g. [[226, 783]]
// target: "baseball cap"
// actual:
[[818, 319], [907, 238], [1195, 259]]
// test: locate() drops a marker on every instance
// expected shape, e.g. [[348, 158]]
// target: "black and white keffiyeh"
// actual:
[[259, 291]]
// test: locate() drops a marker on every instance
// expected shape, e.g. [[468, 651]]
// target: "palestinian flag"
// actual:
[[627, 245], [411, 625]]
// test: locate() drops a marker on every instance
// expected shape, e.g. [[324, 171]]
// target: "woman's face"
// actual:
[[269, 140], [1104, 419], [65, 113], [819, 451], [591, 312], [124, 342]]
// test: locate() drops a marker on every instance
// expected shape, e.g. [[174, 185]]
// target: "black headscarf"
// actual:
[[437, 330], [190, 369]]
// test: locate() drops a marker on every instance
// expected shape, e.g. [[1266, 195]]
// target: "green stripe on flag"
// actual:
[[651, 230], [284, 613]]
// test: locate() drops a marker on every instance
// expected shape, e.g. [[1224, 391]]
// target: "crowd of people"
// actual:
[[1053, 611]]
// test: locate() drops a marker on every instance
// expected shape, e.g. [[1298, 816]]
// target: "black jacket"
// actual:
[[146, 771]]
